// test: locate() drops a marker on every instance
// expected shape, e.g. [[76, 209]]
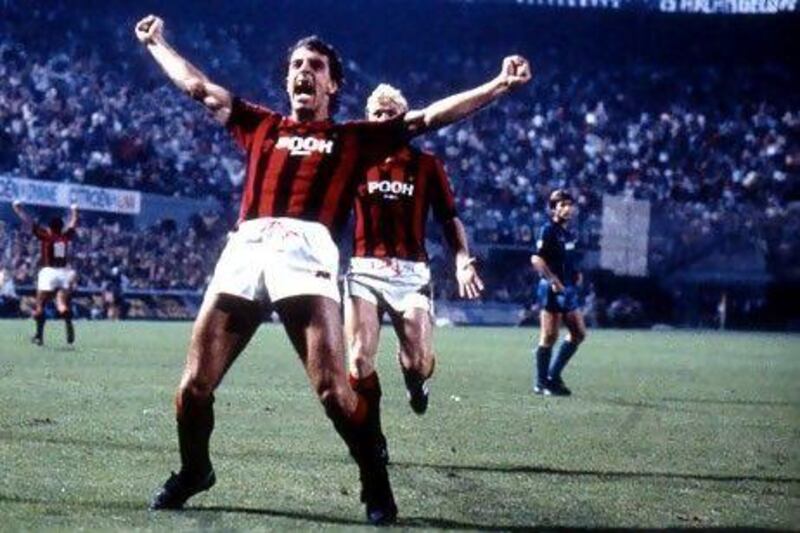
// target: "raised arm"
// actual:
[[150, 32], [73, 217], [470, 284], [515, 72], [21, 213]]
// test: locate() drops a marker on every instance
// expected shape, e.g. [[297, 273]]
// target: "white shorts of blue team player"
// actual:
[[55, 278], [400, 284], [270, 259]]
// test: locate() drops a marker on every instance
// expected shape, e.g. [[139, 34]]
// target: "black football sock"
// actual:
[[565, 353], [67, 315], [369, 388], [195, 424], [40, 320], [543, 354]]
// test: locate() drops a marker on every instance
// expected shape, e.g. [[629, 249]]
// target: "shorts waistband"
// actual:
[[389, 263]]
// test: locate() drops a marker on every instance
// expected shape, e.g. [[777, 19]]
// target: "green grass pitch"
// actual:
[[665, 430]]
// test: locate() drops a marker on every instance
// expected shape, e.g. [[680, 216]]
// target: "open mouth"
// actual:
[[304, 85]]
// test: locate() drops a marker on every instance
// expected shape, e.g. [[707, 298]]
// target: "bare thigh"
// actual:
[[362, 324], [414, 329], [548, 328], [575, 326], [224, 326], [62, 300], [42, 297], [314, 326]]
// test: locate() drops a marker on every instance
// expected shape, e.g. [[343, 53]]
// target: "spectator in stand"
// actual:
[[716, 166]]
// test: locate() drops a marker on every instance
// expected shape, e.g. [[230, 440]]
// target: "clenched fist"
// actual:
[[149, 29], [515, 72]]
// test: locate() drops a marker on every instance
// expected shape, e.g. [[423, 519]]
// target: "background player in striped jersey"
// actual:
[[56, 279], [302, 173], [556, 262], [389, 270]]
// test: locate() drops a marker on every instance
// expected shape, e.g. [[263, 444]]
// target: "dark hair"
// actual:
[[315, 43], [559, 195], [56, 224]]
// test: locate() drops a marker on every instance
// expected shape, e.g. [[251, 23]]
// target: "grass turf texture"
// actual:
[[666, 429]]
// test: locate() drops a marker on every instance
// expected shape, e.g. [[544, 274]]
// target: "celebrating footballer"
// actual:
[[303, 172]]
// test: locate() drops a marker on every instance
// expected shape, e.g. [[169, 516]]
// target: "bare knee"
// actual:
[[195, 385], [577, 336], [333, 395], [419, 360], [362, 365], [577, 332], [363, 352], [194, 391], [548, 338]]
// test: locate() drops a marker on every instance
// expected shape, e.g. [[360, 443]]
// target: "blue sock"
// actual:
[[543, 354], [565, 353]]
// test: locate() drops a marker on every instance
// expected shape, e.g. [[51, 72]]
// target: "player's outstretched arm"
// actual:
[[540, 265], [21, 213], [189, 79], [470, 284], [515, 72], [72, 223]]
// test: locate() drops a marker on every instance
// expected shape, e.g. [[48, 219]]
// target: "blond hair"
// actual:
[[385, 94]]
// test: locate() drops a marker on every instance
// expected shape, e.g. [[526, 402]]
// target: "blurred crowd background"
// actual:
[[699, 117]]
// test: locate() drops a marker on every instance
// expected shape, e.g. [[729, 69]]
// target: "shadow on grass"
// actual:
[[406, 522], [684, 404], [732, 401], [82, 504], [601, 474], [83, 443], [444, 523], [107, 443], [511, 469]]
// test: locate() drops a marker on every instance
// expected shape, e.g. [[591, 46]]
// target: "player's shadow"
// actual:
[[413, 522], [294, 515], [685, 404], [732, 401], [601, 474], [80, 443], [410, 522]]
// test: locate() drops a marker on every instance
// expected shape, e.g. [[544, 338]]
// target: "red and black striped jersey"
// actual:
[[393, 202], [307, 170], [54, 246]]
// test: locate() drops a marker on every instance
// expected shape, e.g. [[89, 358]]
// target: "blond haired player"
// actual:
[[389, 269]]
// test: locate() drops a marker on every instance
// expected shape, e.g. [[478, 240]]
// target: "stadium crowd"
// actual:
[[112, 261], [160, 257], [714, 163]]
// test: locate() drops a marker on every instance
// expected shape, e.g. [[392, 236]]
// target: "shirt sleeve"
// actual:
[[244, 120], [442, 199], [544, 243], [70, 233]]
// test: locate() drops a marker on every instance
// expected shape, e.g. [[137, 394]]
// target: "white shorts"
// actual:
[[55, 278], [400, 284], [269, 259]]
